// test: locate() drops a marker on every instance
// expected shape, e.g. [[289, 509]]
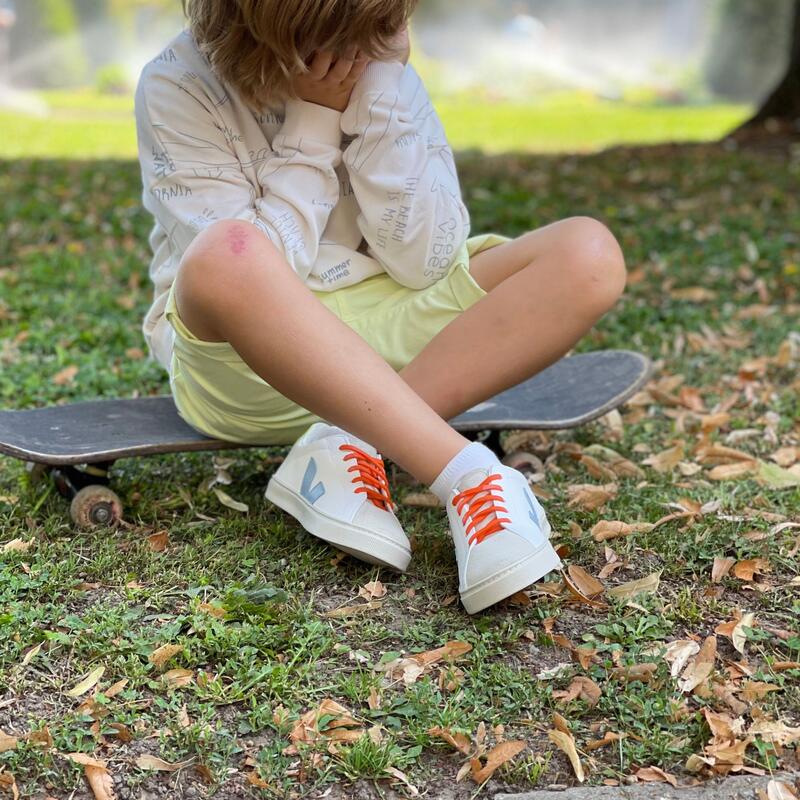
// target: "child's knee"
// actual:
[[595, 262]]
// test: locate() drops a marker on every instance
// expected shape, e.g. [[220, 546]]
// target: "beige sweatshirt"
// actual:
[[343, 196]]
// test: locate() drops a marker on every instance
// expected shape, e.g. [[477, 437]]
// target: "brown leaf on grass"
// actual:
[[581, 688], [784, 666], [87, 683], [774, 731], [373, 590], [229, 502], [496, 757], [666, 460], [678, 654], [734, 630], [17, 546], [177, 678], [644, 673], [156, 764], [631, 589], [582, 585], [349, 611], [65, 376], [410, 668], [158, 542], [254, 779], [566, 743], [786, 456], [779, 790], [753, 691], [699, 669], [8, 742], [456, 740], [8, 783], [655, 775], [421, 500], [212, 610], [596, 469], [694, 294], [747, 570], [619, 465], [721, 567], [614, 529], [608, 738], [100, 782], [116, 688], [713, 422], [730, 472], [330, 721], [162, 654], [590, 496]]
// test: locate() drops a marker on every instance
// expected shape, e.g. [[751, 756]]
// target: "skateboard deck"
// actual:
[[573, 391]]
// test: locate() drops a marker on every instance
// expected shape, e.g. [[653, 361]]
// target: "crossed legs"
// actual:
[[545, 290]]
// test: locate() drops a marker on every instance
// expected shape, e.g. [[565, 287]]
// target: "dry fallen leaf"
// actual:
[[8, 742], [177, 678], [746, 570], [65, 376], [17, 546], [678, 654], [700, 667], [496, 757], [779, 790], [456, 740], [162, 654], [158, 542], [721, 567], [373, 590], [655, 775], [613, 529], [666, 460], [8, 783], [581, 688], [87, 683], [100, 782], [149, 762], [229, 502], [566, 743], [590, 496], [629, 590]]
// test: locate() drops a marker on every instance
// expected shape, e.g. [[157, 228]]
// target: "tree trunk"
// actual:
[[782, 108]]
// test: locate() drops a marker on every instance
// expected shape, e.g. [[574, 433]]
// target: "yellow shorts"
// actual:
[[219, 395]]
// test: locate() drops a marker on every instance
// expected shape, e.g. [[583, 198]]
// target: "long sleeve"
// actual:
[[404, 176], [193, 175]]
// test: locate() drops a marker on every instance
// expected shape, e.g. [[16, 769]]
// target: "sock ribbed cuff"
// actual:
[[473, 456]]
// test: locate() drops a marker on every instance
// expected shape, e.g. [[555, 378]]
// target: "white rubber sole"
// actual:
[[510, 580], [366, 545]]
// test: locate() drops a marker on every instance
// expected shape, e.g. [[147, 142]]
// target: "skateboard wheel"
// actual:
[[36, 472], [95, 506], [524, 462]]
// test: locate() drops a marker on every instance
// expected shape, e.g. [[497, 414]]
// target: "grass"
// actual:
[[85, 124], [245, 597]]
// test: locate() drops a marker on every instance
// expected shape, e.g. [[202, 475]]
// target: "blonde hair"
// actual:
[[259, 46]]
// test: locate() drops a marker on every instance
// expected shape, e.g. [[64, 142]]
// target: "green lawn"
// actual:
[[245, 599], [89, 125]]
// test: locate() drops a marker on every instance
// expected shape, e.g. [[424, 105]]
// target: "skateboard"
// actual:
[[77, 444]]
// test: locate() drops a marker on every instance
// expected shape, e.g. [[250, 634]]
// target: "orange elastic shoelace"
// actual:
[[370, 472], [481, 502]]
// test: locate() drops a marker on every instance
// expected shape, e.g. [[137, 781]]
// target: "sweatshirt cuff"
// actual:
[[312, 121], [380, 76]]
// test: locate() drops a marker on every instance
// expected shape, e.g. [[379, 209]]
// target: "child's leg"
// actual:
[[234, 286], [545, 291]]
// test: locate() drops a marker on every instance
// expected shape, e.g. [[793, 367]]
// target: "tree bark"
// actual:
[[783, 104]]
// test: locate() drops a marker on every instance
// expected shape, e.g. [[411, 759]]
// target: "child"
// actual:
[[312, 262]]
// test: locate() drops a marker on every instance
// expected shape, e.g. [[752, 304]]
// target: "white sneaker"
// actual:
[[335, 486], [501, 536]]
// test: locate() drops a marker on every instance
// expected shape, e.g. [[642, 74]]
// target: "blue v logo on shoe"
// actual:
[[311, 493]]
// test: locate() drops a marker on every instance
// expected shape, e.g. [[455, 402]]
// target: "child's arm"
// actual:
[[193, 177], [404, 176]]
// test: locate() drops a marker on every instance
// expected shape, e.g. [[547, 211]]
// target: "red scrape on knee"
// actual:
[[237, 239]]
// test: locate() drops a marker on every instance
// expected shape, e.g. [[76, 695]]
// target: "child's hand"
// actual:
[[330, 81]]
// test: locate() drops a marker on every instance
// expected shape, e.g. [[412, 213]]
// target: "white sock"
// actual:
[[474, 456]]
